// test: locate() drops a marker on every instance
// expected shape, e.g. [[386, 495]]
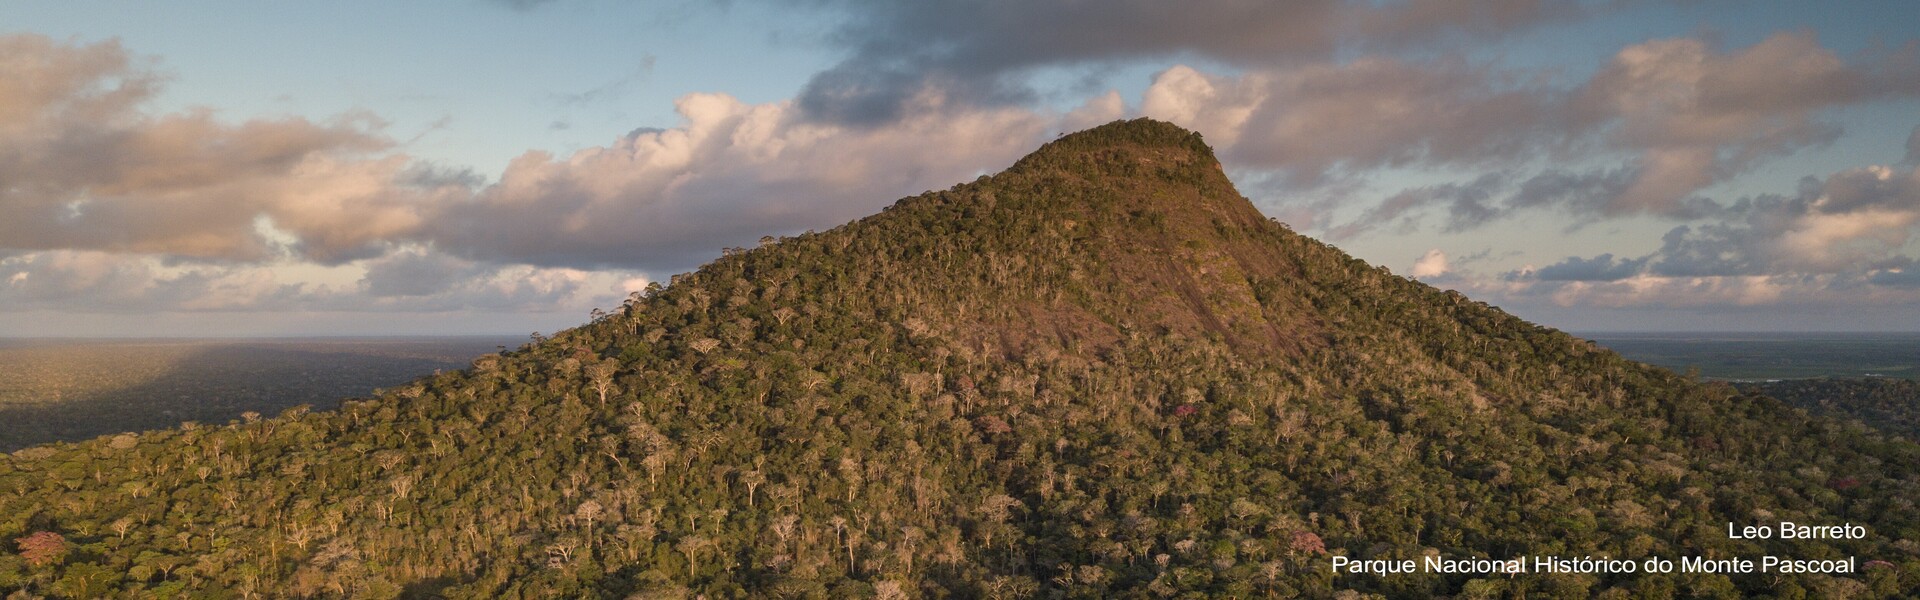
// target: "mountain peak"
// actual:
[[1143, 131], [1135, 214], [1141, 138], [1141, 167]]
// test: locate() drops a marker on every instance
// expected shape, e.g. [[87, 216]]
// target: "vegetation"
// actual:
[[1891, 405], [1101, 373]]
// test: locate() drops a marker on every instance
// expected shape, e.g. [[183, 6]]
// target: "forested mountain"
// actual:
[[1100, 373]]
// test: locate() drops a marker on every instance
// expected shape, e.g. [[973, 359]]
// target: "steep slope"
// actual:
[[1100, 373]]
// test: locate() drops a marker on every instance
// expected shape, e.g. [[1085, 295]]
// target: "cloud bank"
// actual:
[[113, 206], [978, 53]]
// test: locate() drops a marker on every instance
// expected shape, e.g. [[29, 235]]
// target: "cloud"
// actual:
[[411, 281], [1694, 116], [664, 199], [1648, 292], [1852, 221], [418, 279], [473, 287], [978, 53], [1843, 240], [87, 168], [1599, 268], [1896, 278], [1312, 121], [113, 207], [94, 281], [415, 272], [1467, 205], [1430, 265], [1675, 117]]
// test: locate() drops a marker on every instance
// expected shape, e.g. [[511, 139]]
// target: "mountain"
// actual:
[[1100, 373]]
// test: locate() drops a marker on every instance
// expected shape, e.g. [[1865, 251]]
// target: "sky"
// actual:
[[203, 168]]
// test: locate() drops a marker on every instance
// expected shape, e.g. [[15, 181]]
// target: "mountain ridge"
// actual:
[[1098, 373]]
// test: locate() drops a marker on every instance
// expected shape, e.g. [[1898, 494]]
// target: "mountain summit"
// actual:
[[1126, 228], [1100, 373]]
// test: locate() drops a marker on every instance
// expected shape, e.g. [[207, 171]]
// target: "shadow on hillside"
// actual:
[[220, 382]]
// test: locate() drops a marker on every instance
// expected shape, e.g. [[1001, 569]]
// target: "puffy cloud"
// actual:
[[87, 280], [1307, 122], [87, 168], [516, 288], [1853, 221], [1430, 265], [105, 200], [661, 199], [977, 52], [1694, 116], [1679, 115], [1843, 240], [111, 207], [418, 279]]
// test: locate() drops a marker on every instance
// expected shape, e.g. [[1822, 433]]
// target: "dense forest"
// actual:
[[1101, 373], [1891, 405]]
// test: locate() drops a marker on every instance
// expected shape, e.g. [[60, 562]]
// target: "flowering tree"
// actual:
[[42, 548]]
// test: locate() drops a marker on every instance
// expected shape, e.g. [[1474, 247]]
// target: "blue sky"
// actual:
[[225, 168]]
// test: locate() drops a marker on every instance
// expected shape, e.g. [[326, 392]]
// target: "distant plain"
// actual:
[[1763, 356], [74, 389]]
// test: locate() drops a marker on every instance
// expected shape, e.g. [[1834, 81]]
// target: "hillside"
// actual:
[[1100, 373]]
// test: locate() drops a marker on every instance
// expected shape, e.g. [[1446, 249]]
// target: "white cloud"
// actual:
[[1678, 115], [662, 199], [1843, 241], [112, 207], [105, 198], [87, 168], [1696, 116], [1429, 265], [1316, 120]]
